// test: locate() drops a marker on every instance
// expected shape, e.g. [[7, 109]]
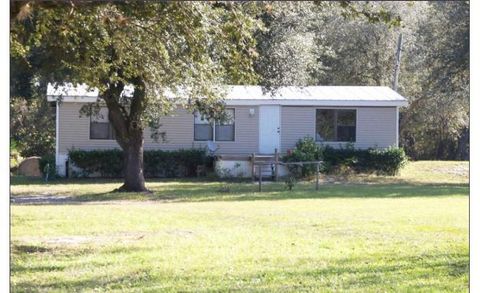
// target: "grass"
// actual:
[[367, 233]]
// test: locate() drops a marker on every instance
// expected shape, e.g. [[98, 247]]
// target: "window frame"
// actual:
[[212, 124], [194, 129], [111, 131], [233, 125], [336, 125]]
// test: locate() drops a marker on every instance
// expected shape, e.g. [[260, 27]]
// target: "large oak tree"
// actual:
[[172, 54]]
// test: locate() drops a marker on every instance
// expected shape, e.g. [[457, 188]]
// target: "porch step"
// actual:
[[264, 159], [266, 163], [268, 171]]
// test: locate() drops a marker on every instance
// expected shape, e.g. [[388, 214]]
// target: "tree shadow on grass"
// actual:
[[131, 279], [195, 192], [443, 272], [369, 273], [396, 272], [24, 180], [55, 263]]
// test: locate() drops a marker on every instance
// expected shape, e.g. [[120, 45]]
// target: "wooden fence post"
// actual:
[[276, 164], [260, 178], [253, 167], [318, 171]]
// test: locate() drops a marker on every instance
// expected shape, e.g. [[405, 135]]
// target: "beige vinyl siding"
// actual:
[[178, 130], [376, 126], [296, 123], [74, 132]]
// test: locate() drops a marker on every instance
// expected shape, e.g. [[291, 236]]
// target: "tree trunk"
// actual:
[[441, 148], [134, 179], [129, 132], [463, 144]]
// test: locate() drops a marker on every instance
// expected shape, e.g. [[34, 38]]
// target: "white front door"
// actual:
[[269, 139]]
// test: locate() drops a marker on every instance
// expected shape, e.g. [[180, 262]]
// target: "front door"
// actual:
[[269, 133]]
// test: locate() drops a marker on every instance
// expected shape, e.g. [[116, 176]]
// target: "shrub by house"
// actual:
[[157, 163], [387, 161]]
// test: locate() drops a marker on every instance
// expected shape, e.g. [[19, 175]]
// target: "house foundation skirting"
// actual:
[[235, 166], [61, 164]]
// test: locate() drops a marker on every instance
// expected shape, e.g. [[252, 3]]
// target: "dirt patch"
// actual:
[[48, 243], [60, 199], [353, 179], [70, 240], [181, 233], [73, 240], [41, 199]]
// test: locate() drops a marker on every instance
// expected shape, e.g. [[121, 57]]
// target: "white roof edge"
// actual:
[[72, 99], [257, 102], [326, 103]]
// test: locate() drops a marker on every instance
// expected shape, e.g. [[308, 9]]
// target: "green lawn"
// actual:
[[363, 233]]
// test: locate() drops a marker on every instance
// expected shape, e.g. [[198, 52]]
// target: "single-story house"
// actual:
[[365, 116]]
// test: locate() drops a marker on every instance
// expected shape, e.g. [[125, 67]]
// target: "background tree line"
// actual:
[[318, 43]]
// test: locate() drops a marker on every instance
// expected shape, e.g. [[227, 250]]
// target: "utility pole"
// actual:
[[397, 63]]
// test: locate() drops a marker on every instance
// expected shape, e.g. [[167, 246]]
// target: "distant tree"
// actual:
[[32, 127], [308, 43], [287, 46], [364, 50], [436, 78], [32, 124]]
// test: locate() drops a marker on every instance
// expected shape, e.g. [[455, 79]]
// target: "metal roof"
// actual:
[[252, 95], [364, 93]]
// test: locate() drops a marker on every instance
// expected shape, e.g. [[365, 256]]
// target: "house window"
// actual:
[[225, 131], [203, 129], [336, 125], [100, 127], [219, 131]]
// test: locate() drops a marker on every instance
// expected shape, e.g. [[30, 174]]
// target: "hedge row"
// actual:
[[157, 163], [387, 161]]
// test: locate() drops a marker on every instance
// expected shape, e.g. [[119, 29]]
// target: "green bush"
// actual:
[[387, 161], [156, 163], [305, 150], [108, 163], [15, 157], [179, 163], [51, 168]]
